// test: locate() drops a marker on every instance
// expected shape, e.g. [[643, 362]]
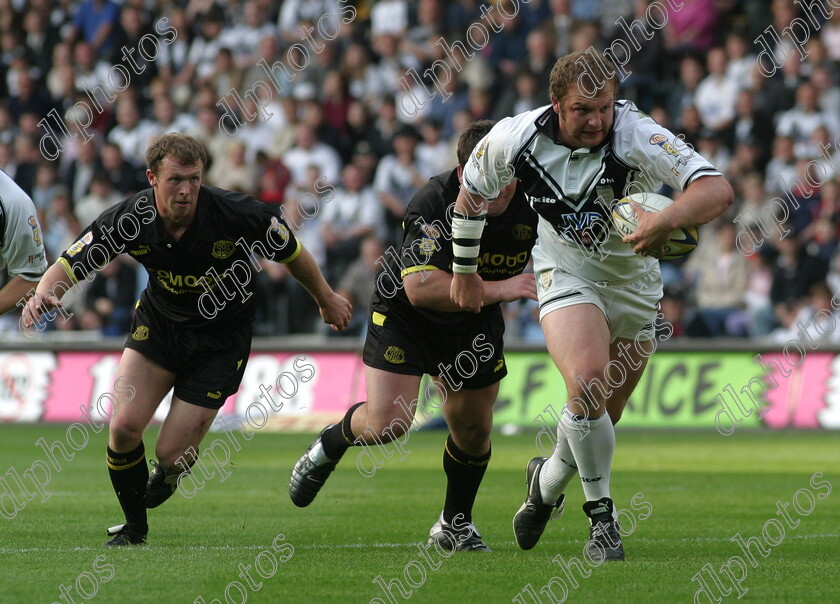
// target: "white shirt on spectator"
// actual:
[[322, 155], [715, 100]]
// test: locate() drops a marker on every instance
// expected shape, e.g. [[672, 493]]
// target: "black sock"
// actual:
[[340, 437], [129, 474], [463, 477]]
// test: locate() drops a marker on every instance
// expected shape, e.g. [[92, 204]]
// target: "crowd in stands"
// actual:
[[340, 110]]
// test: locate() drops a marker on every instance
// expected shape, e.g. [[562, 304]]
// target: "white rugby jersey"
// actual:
[[573, 190], [21, 245]]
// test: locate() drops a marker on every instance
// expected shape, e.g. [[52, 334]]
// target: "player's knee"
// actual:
[[125, 435], [589, 388], [473, 435]]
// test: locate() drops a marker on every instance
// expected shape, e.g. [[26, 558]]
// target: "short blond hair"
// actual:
[[567, 71]]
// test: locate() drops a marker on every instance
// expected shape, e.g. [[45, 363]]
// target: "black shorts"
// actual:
[[208, 362], [471, 358]]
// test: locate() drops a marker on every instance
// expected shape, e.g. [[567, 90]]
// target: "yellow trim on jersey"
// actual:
[[294, 254], [378, 318], [417, 269], [66, 266]]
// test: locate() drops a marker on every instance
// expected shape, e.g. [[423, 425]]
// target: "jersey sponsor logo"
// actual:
[[35, 257], [81, 243], [223, 249], [522, 232], [143, 249], [36, 231], [430, 231], [215, 395], [513, 261], [395, 355], [662, 141], [169, 279], [587, 229], [141, 333], [542, 199], [481, 149]]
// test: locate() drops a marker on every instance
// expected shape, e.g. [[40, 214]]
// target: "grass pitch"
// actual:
[[243, 541]]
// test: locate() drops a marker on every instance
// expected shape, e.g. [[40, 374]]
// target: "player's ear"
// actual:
[[150, 176], [460, 169]]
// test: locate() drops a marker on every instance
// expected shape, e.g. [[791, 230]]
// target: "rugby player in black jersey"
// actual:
[[192, 325], [415, 329]]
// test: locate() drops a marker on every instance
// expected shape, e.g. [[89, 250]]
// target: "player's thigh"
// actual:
[[469, 415], [628, 361], [140, 386], [185, 426], [390, 396], [578, 340]]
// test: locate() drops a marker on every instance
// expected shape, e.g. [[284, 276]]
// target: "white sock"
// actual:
[[558, 470], [317, 455], [593, 445]]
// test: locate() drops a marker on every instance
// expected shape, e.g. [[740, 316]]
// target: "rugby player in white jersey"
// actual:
[[598, 293]]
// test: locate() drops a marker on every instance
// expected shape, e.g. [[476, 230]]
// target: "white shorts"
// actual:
[[629, 307]]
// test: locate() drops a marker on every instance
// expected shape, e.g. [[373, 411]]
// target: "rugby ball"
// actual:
[[682, 241]]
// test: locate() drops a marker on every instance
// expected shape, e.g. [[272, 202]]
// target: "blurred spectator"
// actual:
[[126, 177], [78, 172], [64, 227], [432, 149], [716, 94], [294, 12], [204, 48], [739, 60], [781, 169], [398, 177], [719, 275], [112, 295], [232, 172], [226, 75], [358, 283], [43, 188], [131, 134], [244, 37], [691, 26], [645, 62], [805, 117], [172, 58], [794, 272], [364, 82], [309, 151], [101, 197], [133, 26], [684, 92], [167, 119], [523, 96], [96, 22], [830, 36], [353, 214], [273, 179], [389, 17]]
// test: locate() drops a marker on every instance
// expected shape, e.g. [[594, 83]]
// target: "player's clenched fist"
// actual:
[[467, 291]]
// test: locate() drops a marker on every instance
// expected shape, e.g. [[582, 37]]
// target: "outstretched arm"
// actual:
[[431, 289], [335, 309], [53, 285]]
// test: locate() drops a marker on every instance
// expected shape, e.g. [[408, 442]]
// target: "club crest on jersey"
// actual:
[[522, 232], [36, 232], [395, 355], [280, 229], [427, 246], [545, 279], [77, 247], [223, 249], [141, 333]]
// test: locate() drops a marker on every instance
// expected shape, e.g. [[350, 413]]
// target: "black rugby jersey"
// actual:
[[208, 277], [427, 245]]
